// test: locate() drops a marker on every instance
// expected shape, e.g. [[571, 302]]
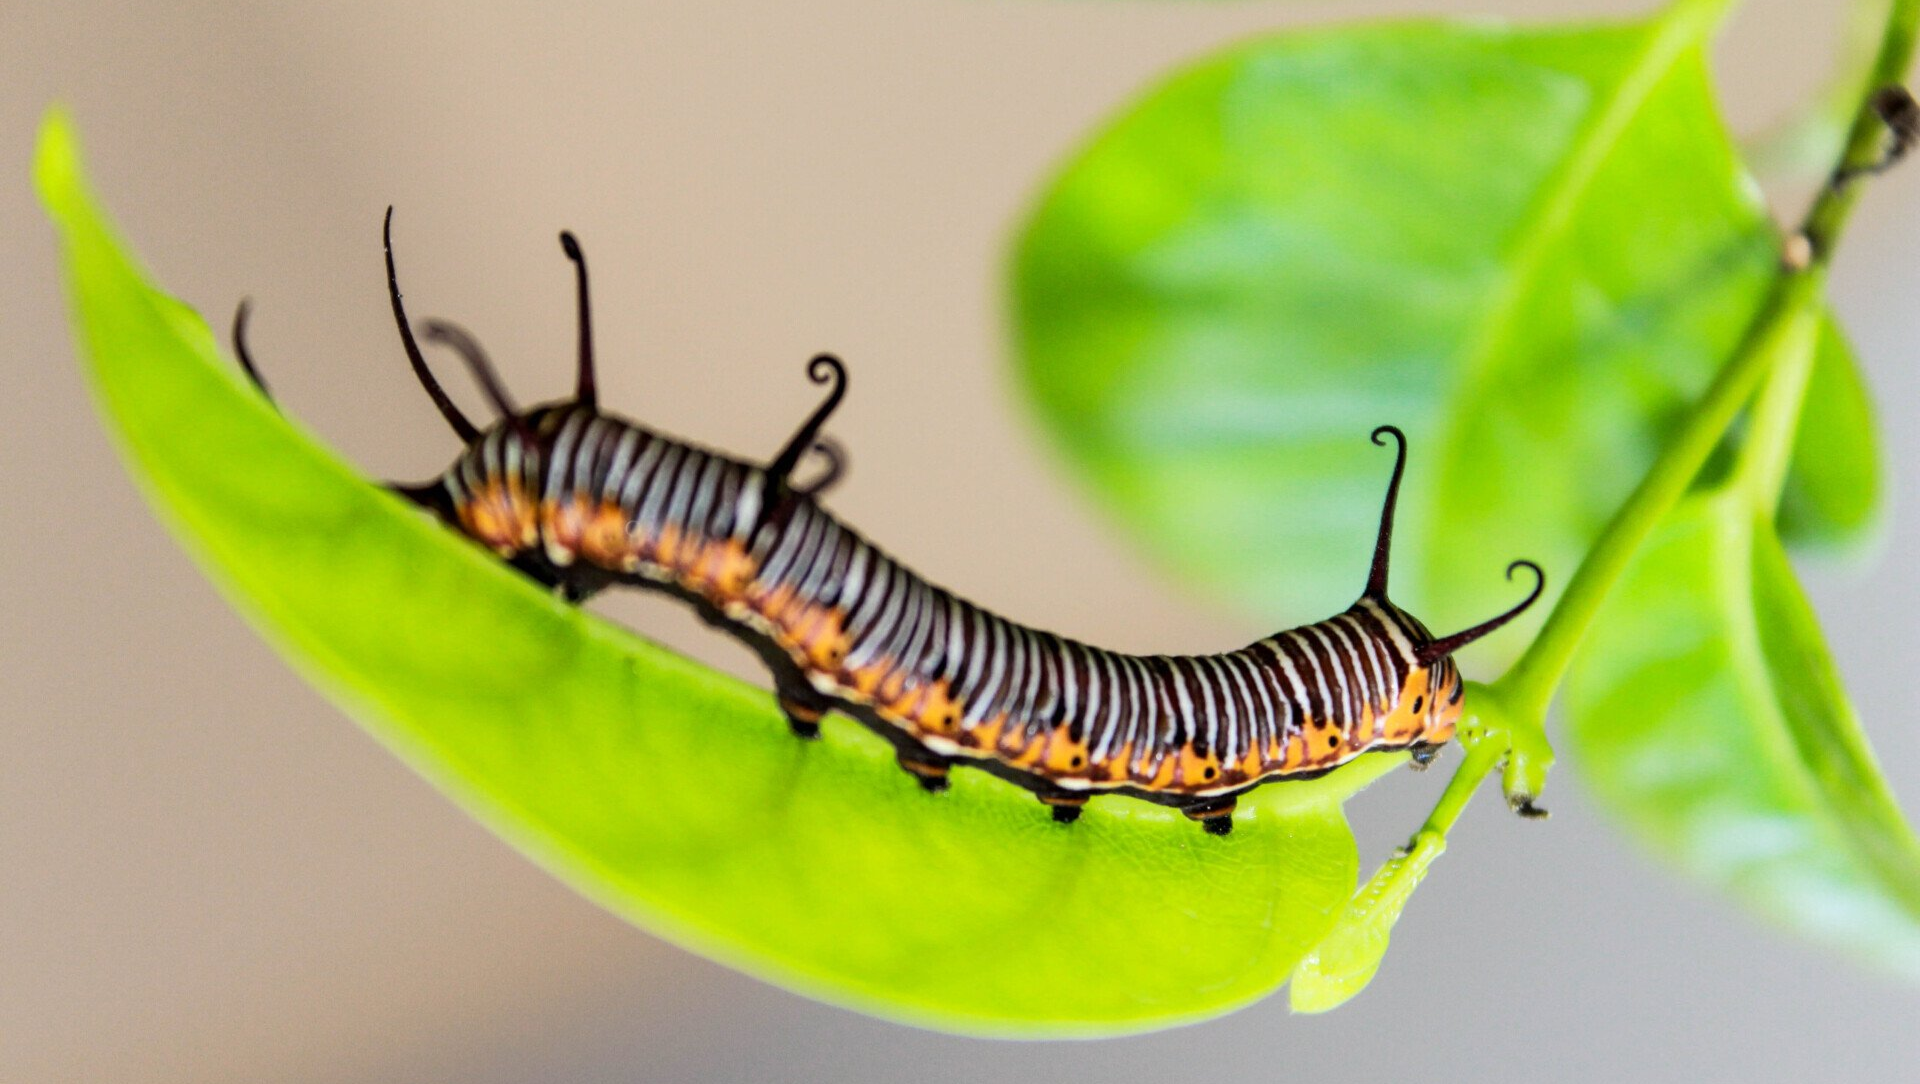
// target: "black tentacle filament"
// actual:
[[1383, 545], [462, 428], [240, 316], [822, 369], [456, 337], [1447, 645], [586, 391], [835, 456]]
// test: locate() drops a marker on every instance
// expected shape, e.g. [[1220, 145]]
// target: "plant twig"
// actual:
[[1506, 720], [1531, 682], [1886, 124]]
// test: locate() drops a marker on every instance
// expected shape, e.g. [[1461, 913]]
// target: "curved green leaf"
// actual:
[[669, 793], [1708, 716], [1832, 497], [1528, 248]]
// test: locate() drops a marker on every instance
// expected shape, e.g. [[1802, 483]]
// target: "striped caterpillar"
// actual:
[[580, 500]]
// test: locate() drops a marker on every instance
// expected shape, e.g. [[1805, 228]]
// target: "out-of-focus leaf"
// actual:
[[1707, 715], [1833, 488], [1528, 248], [667, 792]]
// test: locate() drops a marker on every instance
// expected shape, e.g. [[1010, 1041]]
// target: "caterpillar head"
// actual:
[[1435, 687], [507, 454], [1442, 692]]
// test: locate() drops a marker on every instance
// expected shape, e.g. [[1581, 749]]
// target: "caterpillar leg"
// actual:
[[575, 584], [1214, 814], [1066, 805], [1422, 755], [801, 703], [715, 618], [928, 769], [803, 716]]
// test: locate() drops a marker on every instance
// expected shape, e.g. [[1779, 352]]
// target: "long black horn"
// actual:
[[462, 428], [1428, 654], [455, 336], [835, 456], [823, 368], [1383, 545], [246, 356], [586, 393]]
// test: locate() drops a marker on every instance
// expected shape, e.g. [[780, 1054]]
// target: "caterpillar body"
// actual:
[[580, 500]]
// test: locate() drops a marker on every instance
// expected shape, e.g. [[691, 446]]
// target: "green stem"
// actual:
[[1481, 757], [1529, 686], [1506, 721], [1519, 699], [1523, 693], [1829, 213], [1767, 449]]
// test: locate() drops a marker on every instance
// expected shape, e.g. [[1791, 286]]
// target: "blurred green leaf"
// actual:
[[669, 793], [1833, 488], [1706, 713], [1528, 248]]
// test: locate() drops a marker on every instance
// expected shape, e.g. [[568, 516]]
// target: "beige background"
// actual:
[[207, 874]]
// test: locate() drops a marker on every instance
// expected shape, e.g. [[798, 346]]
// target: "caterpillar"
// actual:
[[580, 500]]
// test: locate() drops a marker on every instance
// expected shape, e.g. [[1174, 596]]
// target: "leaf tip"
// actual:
[[56, 159]]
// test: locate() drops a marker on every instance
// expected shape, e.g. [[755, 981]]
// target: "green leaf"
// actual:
[[1528, 248], [1832, 498], [1707, 714], [671, 794], [1344, 961]]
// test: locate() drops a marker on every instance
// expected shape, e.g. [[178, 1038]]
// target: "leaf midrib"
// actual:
[[1684, 26]]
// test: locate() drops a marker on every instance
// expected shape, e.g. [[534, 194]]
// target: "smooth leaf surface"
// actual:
[[1528, 248], [669, 793], [1832, 497], [1708, 716]]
